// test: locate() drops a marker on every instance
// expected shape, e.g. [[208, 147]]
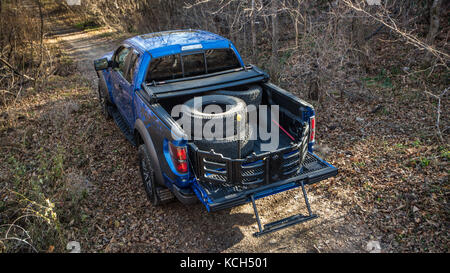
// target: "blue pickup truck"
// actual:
[[148, 76]]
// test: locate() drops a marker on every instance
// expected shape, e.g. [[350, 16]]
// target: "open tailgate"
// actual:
[[217, 196]]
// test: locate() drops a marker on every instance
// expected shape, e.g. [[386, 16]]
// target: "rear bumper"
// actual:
[[185, 196], [217, 198]]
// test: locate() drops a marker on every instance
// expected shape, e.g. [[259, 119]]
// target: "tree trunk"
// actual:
[[253, 16], [1, 25], [41, 32], [434, 21], [296, 30], [274, 60]]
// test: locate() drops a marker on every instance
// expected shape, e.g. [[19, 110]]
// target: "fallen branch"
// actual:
[[22, 241], [15, 70], [7, 92], [409, 37]]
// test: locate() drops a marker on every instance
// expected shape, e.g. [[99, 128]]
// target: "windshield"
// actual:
[[187, 65]]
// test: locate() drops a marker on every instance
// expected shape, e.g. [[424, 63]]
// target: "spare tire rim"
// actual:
[[222, 106], [225, 101]]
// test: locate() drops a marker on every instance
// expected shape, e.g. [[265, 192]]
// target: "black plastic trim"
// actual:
[[244, 196], [185, 196], [140, 127]]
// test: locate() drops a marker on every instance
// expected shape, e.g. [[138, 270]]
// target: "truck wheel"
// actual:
[[228, 147], [236, 111], [103, 102], [148, 176], [251, 94]]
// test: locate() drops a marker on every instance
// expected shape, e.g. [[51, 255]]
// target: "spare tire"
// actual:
[[229, 147], [251, 94], [232, 108]]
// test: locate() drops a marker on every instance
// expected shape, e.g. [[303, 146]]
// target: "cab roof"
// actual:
[[177, 41]]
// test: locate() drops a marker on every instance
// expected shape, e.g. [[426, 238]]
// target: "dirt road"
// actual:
[[120, 219]]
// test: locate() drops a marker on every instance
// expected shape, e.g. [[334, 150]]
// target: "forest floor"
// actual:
[[392, 185]]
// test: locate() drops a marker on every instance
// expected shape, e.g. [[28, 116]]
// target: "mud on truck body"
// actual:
[[142, 81]]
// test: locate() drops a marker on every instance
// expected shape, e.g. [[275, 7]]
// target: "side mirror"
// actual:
[[101, 64]]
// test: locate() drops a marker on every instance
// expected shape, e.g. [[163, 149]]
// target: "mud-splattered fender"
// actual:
[[145, 136]]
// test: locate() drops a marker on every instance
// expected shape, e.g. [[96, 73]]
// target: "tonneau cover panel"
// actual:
[[204, 83]]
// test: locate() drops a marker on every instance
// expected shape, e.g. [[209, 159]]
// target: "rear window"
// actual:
[[177, 66], [221, 59], [194, 64], [165, 68]]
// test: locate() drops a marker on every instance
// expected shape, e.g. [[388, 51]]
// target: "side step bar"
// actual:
[[286, 222], [122, 124]]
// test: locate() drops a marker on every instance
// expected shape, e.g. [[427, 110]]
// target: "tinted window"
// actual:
[[194, 64], [175, 66], [165, 68], [221, 59], [132, 66], [120, 59]]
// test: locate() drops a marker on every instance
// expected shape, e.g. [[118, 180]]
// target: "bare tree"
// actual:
[[384, 18], [293, 9], [274, 15], [253, 29], [41, 31], [434, 21], [438, 112]]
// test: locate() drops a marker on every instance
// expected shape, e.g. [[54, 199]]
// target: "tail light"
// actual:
[[179, 157], [312, 131]]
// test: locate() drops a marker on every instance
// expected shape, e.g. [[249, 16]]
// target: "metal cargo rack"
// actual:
[[232, 182]]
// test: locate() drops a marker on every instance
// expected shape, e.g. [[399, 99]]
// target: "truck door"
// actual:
[[119, 82], [128, 86]]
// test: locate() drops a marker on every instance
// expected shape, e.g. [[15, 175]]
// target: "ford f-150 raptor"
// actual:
[[147, 76]]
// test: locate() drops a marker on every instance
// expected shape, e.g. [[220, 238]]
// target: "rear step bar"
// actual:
[[283, 223]]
